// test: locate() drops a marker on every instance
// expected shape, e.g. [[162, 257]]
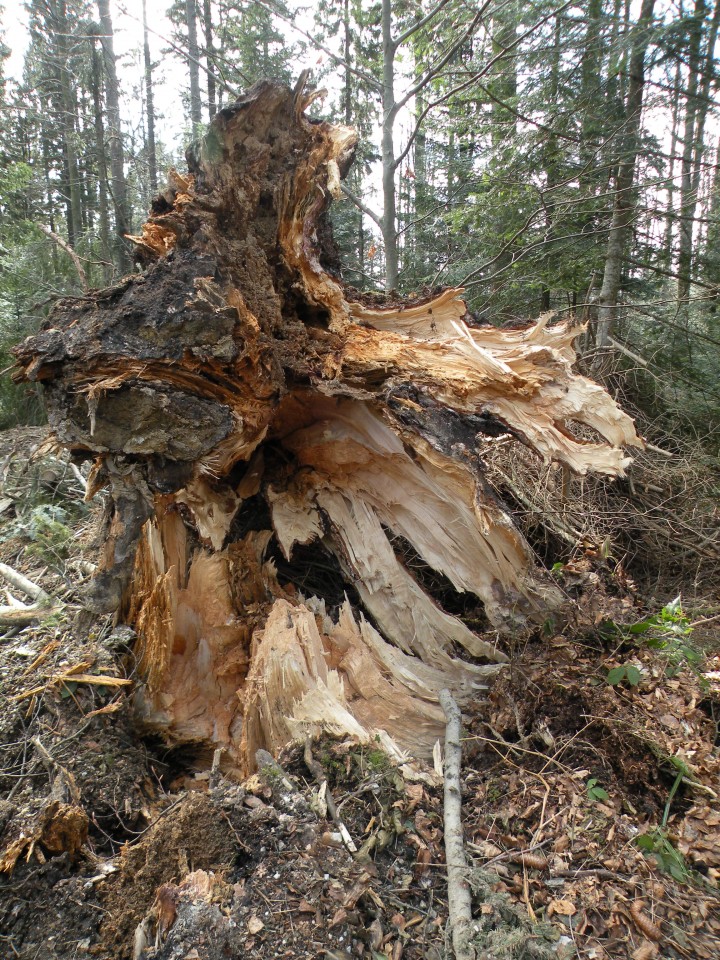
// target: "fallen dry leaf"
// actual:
[[646, 951], [565, 908]]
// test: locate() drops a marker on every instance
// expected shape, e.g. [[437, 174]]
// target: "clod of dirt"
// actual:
[[191, 835]]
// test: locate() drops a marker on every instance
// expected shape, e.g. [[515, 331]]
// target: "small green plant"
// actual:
[[683, 771], [67, 689], [53, 621], [625, 672], [669, 633], [49, 534], [596, 793], [657, 843], [669, 859], [377, 760]]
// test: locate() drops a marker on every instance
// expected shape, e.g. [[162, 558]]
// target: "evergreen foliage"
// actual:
[[497, 143]]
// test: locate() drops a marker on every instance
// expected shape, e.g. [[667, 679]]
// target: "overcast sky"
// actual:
[[170, 80], [127, 27]]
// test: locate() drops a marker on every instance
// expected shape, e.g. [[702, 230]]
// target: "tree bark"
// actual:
[[280, 450], [624, 202], [193, 66], [114, 139], [150, 101], [209, 50], [68, 123], [389, 107]]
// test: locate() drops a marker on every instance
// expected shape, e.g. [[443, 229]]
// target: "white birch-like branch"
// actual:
[[459, 899]]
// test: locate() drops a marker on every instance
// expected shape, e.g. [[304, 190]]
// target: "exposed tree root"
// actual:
[[240, 371]]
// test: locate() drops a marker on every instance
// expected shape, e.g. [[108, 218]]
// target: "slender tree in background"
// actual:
[[61, 33], [193, 66], [5, 52], [149, 106], [395, 37], [624, 198], [209, 56], [711, 253], [702, 36], [671, 188], [693, 114], [101, 161], [382, 78], [118, 186], [355, 30]]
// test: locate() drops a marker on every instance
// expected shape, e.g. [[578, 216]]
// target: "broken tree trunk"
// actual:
[[281, 450]]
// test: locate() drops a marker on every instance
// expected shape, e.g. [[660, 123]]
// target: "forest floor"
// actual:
[[591, 790]]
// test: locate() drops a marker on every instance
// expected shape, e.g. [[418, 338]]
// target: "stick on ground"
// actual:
[[459, 900], [11, 616]]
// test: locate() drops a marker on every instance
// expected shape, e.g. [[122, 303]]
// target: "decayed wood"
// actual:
[[245, 407]]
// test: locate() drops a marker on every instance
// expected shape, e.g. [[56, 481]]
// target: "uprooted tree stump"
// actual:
[[275, 443]]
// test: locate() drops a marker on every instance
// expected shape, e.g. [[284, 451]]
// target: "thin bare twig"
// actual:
[[64, 245]]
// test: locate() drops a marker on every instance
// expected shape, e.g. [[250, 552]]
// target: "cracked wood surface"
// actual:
[[241, 403]]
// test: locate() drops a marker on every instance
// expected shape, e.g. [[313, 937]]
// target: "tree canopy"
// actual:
[[544, 156]]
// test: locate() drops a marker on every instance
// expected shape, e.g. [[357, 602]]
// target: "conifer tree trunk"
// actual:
[[389, 217], [209, 47], [671, 190], [693, 110], [505, 81], [193, 66], [624, 200], [150, 106], [103, 211], [118, 186], [68, 123], [281, 453], [700, 73]]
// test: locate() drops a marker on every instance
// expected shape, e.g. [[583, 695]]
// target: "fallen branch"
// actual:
[[21, 615], [21, 582], [626, 352], [459, 899], [69, 251], [73, 675]]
